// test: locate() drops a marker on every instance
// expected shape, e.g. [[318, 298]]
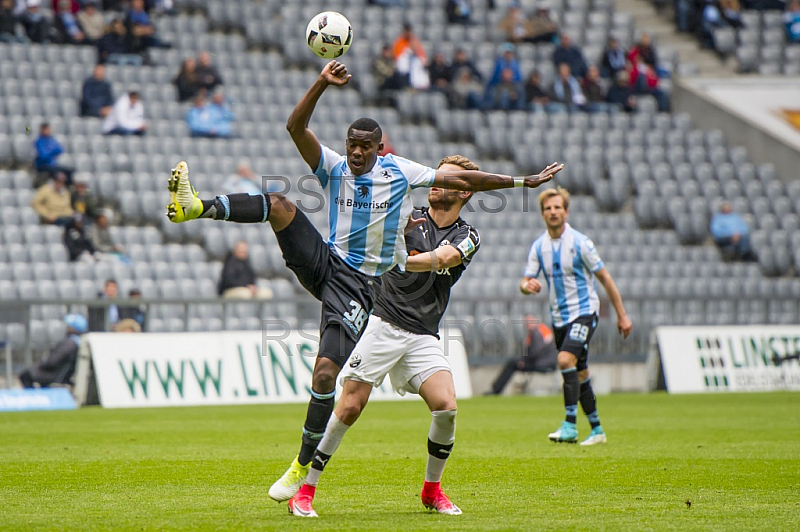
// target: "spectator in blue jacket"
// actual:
[[571, 55], [210, 119], [507, 60], [47, 151], [97, 98], [732, 234], [792, 21]]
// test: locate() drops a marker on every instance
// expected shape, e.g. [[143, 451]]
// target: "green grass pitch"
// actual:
[[710, 462]]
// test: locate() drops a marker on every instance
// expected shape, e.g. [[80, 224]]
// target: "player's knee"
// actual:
[[349, 410], [324, 379], [281, 210], [566, 360], [583, 375], [444, 404]]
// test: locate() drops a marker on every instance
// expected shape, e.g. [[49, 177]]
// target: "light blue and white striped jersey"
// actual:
[[569, 264], [367, 214]]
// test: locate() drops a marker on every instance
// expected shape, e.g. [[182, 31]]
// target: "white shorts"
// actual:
[[408, 358]]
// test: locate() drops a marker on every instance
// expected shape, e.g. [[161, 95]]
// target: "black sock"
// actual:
[[241, 208], [571, 393], [319, 411], [589, 403]]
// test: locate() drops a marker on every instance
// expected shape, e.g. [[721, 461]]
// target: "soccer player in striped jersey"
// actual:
[[568, 260], [369, 208], [401, 340]]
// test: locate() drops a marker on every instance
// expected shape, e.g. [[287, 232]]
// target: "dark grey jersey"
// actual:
[[416, 302]]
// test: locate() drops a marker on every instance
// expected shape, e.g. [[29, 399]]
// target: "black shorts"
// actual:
[[574, 338], [347, 295]]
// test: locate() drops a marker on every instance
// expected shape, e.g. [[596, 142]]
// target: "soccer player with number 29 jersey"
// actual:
[[369, 209], [568, 260]]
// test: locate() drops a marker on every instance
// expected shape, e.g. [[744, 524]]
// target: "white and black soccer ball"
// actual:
[[329, 34]]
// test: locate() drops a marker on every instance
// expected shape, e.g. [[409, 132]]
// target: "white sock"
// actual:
[[334, 433], [440, 442]]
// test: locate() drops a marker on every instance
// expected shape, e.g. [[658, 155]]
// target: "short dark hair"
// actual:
[[133, 94], [109, 281], [369, 125]]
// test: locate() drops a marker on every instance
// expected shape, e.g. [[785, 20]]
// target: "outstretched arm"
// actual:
[[442, 257], [307, 143], [624, 325], [477, 181]]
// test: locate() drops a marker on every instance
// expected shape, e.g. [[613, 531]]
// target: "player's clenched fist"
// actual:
[[335, 73], [530, 286]]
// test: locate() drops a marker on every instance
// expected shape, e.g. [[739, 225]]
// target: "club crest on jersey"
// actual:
[[387, 173], [363, 190], [355, 360]]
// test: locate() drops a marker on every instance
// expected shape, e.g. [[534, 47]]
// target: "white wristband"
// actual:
[[519, 182]]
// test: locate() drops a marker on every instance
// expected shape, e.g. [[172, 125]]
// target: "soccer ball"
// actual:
[[329, 34]]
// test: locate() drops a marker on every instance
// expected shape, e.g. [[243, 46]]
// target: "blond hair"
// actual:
[[550, 192], [459, 160]]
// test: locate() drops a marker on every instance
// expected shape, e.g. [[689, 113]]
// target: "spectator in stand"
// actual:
[[567, 89], [621, 94], [187, 82], [461, 61], [140, 28], [65, 11], [100, 237], [732, 234], [243, 181], [543, 29], [115, 47], [465, 91], [732, 13], [83, 201], [92, 22], [594, 90], [207, 75], [507, 60], [644, 80], [105, 318], [439, 72], [571, 55], [411, 59], [8, 23], [514, 25], [59, 366], [134, 313], [97, 97], [210, 119], [644, 50], [613, 59], [384, 71], [508, 95], [48, 150], [458, 11], [536, 98], [52, 201], [539, 355], [37, 26], [238, 280], [792, 21], [79, 245], [126, 117]]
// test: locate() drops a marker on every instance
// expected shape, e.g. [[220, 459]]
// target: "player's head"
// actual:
[[445, 199], [363, 145], [554, 203]]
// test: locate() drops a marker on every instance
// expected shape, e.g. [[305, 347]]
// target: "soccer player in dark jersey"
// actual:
[[401, 340], [369, 207]]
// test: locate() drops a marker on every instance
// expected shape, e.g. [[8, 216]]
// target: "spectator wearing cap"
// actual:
[[126, 117], [59, 366], [91, 20], [37, 26], [97, 96], [79, 246], [52, 201], [570, 54], [8, 23], [208, 77], [84, 201], [506, 60], [48, 149]]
